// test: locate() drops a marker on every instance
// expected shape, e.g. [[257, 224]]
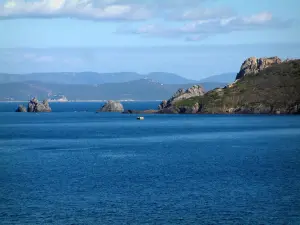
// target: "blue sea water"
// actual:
[[71, 167]]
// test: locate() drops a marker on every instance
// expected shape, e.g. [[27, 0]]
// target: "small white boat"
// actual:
[[140, 118]]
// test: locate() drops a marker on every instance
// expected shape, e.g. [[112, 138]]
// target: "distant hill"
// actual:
[[72, 78], [223, 78], [143, 89], [94, 78]]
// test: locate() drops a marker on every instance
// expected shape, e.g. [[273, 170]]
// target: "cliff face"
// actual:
[[253, 65], [265, 85]]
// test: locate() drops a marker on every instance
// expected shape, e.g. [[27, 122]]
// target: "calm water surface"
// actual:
[[108, 168]]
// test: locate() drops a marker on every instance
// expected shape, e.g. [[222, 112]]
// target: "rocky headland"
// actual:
[[262, 86], [35, 106]]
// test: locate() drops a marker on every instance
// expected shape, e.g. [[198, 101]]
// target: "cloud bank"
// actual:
[[80, 9], [185, 19], [201, 29], [104, 9]]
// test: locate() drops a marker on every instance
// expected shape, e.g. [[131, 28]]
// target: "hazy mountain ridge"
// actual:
[[102, 78], [223, 78], [94, 77], [143, 89], [95, 86]]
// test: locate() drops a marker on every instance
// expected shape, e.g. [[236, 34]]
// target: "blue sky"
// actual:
[[115, 35]]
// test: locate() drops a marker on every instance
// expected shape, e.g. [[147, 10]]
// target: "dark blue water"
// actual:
[[88, 168]]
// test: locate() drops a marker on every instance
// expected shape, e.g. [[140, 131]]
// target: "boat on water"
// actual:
[[140, 118]]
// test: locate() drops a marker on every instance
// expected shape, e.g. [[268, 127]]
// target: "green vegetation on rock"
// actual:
[[275, 89]]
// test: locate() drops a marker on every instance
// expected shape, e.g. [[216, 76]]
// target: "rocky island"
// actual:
[[112, 106], [35, 106]]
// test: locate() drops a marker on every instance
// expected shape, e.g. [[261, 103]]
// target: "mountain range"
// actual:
[[98, 86], [102, 78]]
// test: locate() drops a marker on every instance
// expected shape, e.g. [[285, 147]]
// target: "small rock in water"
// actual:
[[35, 106], [112, 106]]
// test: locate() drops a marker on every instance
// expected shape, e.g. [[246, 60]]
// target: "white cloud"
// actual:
[[201, 22], [259, 18], [72, 61], [81, 9], [201, 29], [38, 58], [44, 59], [200, 13], [111, 9]]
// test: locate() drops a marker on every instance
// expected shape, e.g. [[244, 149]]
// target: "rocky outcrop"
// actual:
[[162, 105], [112, 106], [21, 108], [35, 106], [181, 94], [170, 107], [254, 65], [181, 109], [190, 109]]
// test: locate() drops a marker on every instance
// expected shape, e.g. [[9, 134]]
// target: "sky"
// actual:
[[194, 38]]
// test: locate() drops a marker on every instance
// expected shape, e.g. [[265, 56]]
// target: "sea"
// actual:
[[74, 166]]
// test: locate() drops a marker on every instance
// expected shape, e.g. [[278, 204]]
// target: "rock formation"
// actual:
[[162, 105], [181, 94], [35, 106], [21, 108], [254, 65], [112, 106]]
